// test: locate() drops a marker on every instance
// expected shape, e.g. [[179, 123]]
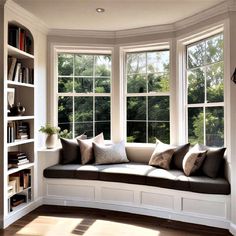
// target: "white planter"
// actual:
[[51, 141]]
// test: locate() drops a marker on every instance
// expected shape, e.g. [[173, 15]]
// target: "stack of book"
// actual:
[[17, 131], [20, 180], [19, 38], [18, 199], [19, 73], [16, 159]]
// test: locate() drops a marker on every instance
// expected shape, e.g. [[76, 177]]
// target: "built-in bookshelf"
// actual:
[[20, 121]]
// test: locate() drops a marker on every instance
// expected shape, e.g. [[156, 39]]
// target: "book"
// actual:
[[12, 64], [18, 199], [13, 36], [17, 72]]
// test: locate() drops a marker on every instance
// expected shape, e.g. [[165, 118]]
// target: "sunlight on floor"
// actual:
[[57, 226]]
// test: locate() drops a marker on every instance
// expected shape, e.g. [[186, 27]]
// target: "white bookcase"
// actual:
[[20, 127]]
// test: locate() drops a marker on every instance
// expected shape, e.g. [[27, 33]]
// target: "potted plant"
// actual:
[[52, 135]]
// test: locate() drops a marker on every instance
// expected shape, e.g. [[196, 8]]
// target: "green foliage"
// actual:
[[65, 134], [49, 129]]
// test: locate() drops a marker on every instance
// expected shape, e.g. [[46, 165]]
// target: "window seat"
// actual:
[[136, 173], [135, 187]]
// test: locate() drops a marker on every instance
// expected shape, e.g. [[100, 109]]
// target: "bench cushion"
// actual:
[[137, 173], [134, 173], [173, 179]]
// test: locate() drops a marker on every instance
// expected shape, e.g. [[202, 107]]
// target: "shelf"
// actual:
[[19, 208], [22, 167], [20, 84], [24, 141], [15, 118], [23, 190], [12, 51]]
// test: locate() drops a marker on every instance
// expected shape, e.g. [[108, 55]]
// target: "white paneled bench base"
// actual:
[[198, 208]]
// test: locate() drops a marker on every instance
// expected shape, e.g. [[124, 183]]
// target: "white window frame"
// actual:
[[143, 48], [53, 85], [182, 42]]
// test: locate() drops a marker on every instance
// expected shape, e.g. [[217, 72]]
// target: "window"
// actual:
[[205, 93], [147, 96], [84, 93]]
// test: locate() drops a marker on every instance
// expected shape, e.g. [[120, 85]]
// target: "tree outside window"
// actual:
[[205, 94], [147, 96], [84, 87]]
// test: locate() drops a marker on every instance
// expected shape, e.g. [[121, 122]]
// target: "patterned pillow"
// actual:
[[162, 155], [114, 153], [193, 160], [86, 148]]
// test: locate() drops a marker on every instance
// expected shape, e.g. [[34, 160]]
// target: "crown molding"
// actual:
[[203, 15], [145, 31], [27, 16], [222, 8], [82, 33]]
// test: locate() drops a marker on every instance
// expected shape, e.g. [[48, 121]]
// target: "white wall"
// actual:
[[233, 118]]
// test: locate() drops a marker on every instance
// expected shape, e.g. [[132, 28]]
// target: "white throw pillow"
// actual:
[[114, 153]]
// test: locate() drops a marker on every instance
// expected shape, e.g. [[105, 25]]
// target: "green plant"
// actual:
[[49, 129], [65, 134]]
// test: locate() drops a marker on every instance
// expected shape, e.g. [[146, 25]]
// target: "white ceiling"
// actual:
[[118, 15]]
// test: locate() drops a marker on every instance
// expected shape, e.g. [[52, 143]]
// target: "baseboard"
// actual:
[[189, 218], [232, 228], [11, 218]]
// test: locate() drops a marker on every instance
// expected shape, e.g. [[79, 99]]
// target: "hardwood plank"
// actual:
[[59, 220]]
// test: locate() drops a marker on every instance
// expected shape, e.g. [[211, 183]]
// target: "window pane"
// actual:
[[84, 127], [195, 125], [103, 127], [158, 108], [196, 81], [84, 85], [65, 109], [158, 83], [136, 108], [215, 126], [136, 84], [159, 130], [196, 54], [84, 65], [102, 85], [102, 108], [103, 65], [83, 109], [157, 61], [65, 85], [65, 64], [215, 86], [136, 63], [214, 49], [136, 132]]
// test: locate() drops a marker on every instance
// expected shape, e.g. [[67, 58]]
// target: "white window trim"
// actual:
[[181, 87], [52, 109], [164, 45]]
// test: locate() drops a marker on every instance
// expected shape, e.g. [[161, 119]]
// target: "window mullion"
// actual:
[[73, 99], [94, 111]]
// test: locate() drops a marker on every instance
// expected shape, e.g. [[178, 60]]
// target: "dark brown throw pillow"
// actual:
[[178, 156], [213, 161], [71, 150]]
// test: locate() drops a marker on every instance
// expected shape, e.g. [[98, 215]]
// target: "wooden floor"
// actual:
[[60, 221]]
